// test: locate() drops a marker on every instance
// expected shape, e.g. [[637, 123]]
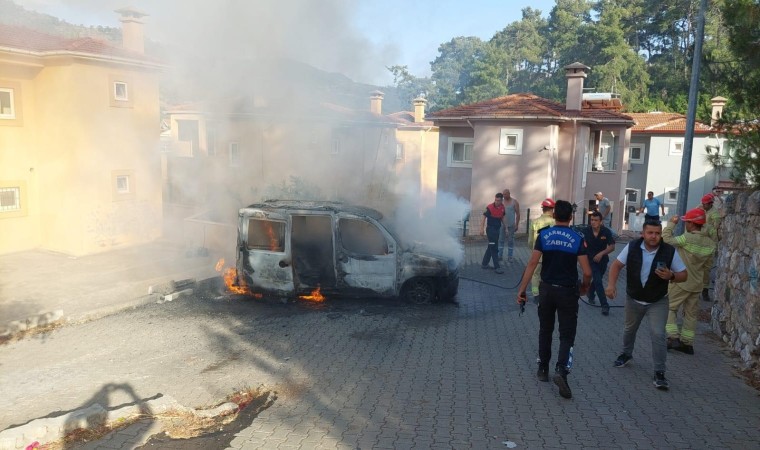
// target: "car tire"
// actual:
[[418, 291]]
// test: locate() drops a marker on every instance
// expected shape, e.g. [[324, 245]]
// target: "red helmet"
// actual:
[[696, 215], [708, 198], [548, 203]]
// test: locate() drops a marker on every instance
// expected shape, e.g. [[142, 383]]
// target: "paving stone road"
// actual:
[[375, 375]]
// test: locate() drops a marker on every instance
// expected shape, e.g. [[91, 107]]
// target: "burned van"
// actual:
[[291, 248]]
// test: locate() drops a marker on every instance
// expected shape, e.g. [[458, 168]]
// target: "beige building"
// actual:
[[79, 120], [537, 148]]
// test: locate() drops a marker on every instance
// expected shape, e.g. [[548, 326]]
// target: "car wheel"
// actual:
[[419, 291]]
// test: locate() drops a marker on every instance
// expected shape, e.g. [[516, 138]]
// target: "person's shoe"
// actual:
[[606, 310], [685, 348], [542, 374], [485, 267], [623, 360], [499, 271], [706, 295], [660, 382], [673, 343], [591, 301], [560, 379]]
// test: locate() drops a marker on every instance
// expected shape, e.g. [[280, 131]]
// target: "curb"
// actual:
[[51, 429], [157, 293]]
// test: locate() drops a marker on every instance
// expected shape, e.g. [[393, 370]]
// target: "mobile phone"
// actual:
[[660, 265]]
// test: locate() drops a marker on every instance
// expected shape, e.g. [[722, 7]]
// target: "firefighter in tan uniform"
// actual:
[[710, 229], [546, 219], [695, 249]]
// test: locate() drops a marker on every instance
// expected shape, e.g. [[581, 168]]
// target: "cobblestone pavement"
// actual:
[[372, 375]]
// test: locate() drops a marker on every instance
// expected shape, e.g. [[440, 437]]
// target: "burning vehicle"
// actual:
[[291, 248]]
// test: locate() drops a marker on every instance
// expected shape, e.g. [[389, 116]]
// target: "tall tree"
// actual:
[[451, 69], [524, 46], [410, 87]]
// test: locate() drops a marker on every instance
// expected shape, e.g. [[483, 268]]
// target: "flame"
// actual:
[[272, 238], [230, 280], [316, 296]]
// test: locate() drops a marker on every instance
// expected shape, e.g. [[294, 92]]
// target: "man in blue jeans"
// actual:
[[650, 265], [600, 244]]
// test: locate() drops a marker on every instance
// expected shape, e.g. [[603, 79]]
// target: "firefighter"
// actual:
[[695, 249], [711, 230], [546, 219]]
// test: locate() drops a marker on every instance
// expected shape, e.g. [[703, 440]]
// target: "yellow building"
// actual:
[[79, 123]]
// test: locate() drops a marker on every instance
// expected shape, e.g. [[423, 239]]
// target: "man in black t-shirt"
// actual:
[[600, 244], [560, 249]]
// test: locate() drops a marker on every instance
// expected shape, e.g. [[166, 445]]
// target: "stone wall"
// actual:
[[736, 312]]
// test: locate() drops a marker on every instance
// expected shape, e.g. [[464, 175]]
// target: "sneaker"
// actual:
[[623, 360], [542, 374], [660, 382], [499, 271], [605, 310], [685, 348], [560, 379]]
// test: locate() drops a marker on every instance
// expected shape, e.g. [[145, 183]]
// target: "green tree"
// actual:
[[523, 47], [410, 87], [451, 70]]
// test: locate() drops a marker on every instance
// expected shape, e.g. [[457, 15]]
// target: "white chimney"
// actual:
[[419, 109], [575, 73], [717, 109], [376, 102], [132, 29]]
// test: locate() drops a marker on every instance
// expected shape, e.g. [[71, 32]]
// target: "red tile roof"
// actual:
[[524, 106], [665, 123], [20, 38]]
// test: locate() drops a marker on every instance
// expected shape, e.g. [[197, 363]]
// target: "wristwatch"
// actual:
[[672, 276]]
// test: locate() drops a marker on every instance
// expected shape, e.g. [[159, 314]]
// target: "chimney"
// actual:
[[419, 109], [575, 73], [132, 29], [717, 109], [376, 102]]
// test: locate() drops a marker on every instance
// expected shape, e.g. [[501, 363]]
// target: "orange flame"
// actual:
[[316, 296], [230, 278], [272, 238]]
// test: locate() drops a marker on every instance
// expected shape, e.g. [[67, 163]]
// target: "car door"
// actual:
[[265, 249], [366, 256]]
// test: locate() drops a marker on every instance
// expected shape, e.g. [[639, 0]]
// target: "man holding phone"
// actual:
[[651, 265]]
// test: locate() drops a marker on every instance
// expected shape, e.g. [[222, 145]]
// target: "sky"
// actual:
[[369, 35]]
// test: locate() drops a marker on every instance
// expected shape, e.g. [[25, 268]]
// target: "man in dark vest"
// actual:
[[651, 265], [561, 250], [493, 220]]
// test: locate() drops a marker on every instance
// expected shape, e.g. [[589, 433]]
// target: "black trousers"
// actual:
[[492, 251], [562, 301]]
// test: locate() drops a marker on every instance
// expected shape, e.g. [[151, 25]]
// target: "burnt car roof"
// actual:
[[316, 205]]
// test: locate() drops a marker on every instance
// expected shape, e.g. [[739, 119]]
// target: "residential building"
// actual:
[[79, 166], [656, 152], [537, 148]]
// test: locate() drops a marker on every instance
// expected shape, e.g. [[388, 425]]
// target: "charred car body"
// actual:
[[290, 248]]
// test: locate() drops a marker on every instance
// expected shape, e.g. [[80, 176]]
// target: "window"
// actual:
[[399, 152], [10, 199], [361, 238], [671, 196], [676, 147], [460, 152], [636, 154], [211, 140], [510, 141], [632, 196], [122, 184], [266, 235], [7, 111], [120, 92], [234, 154]]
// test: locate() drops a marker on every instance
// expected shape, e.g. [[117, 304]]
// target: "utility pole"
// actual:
[[683, 185]]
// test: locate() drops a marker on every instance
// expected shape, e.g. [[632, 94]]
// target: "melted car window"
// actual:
[[360, 237], [266, 235]]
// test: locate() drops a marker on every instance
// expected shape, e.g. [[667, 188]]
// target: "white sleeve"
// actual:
[[623, 256], [677, 265]]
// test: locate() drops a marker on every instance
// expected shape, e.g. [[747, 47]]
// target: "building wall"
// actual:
[[81, 142], [418, 168], [455, 180]]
